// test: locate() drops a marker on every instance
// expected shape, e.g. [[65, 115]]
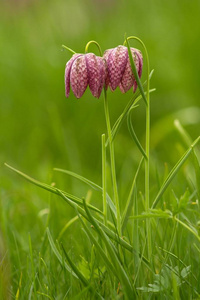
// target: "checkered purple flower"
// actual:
[[119, 68], [83, 70]]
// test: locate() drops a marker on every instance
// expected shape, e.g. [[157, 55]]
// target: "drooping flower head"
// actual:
[[119, 68], [83, 70]]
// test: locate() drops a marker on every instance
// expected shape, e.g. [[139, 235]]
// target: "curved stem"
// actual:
[[97, 44], [147, 150], [112, 160]]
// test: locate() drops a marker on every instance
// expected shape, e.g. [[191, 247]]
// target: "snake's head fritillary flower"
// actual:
[[83, 70], [119, 68]]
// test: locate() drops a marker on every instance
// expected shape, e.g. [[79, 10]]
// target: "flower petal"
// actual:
[[103, 75], [116, 63], [128, 78], [93, 73], [79, 76], [105, 58], [139, 55], [139, 64], [122, 88], [67, 73]]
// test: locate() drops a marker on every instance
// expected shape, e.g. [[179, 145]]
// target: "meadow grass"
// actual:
[[139, 243]]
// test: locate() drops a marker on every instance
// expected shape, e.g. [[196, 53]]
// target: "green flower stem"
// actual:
[[97, 44], [104, 178], [112, 160], [148, 222], [147, 102]]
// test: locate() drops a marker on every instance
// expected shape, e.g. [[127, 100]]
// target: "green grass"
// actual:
[[92, 261]]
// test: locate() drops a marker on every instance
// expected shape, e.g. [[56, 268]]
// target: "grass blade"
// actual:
[[99, 248], [32, 264], [132, 103], [188, 228], [92, 185], [129, 202], [187, 139], [104, 185], [122, 275], [53, 189], [133, 134], [134, 70], [153, 213], [174, 172], [107, 230], [71, 221], [58, 255], [75, 269]]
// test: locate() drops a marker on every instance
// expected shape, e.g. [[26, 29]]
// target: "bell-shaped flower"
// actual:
[[83, 70], [119, 68]]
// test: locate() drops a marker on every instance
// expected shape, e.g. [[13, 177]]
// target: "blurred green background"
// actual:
[[41, 129]]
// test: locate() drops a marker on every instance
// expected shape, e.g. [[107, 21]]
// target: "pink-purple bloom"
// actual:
[[113, 70], [119, 68], [83, 70]]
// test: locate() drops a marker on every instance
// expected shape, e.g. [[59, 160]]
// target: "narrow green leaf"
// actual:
[[122, 275], [188, 228], [58, 255], [153, 213], [173, 255], [175, 289], [66, 226], [68, 49], [131, 104], [99, 248], [134, 70], [75, 269], [133, 134], [80, 275], [32, 263], [45, 295], [174, 172], [185, 136], [107, 230], [196, 153], [81, 295], [91, 184], [129, 202], [197, 172], [52, 189]]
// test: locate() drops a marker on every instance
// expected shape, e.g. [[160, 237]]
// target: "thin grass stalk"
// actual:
[[52, 189], [129, 289], [112, 161], [148, 222], [129, 203], [32, 266], [133, 134], [188, 228], [147, 102], [174, 171], [132, 103], [108, 231], [104, 178], [92, 185], [98, 247]]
